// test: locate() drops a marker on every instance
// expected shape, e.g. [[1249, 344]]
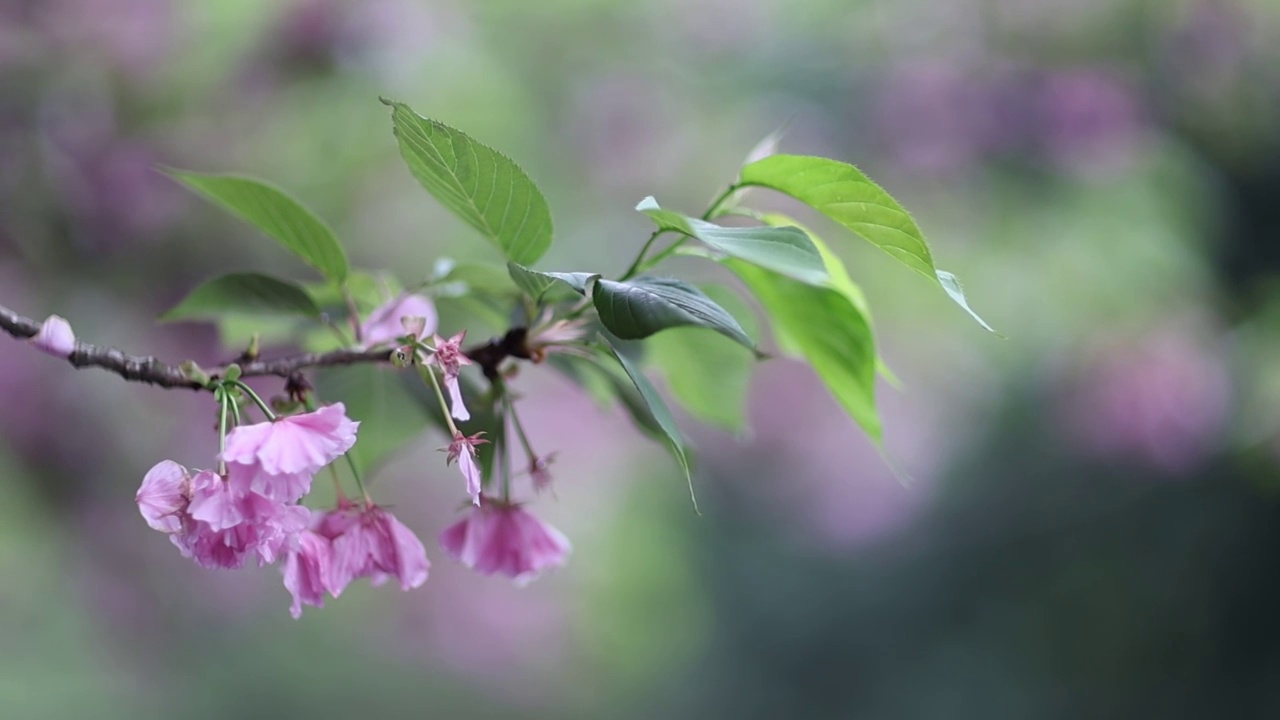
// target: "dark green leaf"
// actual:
[[706, 374], [786, 250], [828, 330], [275, 213], [535, 283], [658, 408], [244, 294], [840, 191], [480, 185], [641, 307]]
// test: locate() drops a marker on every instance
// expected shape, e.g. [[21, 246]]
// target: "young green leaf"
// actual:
[[829, 331], [480, 185], [705, 373], [843, 193], [244, 294], [276, 213], [641, 307], [785, 250], [661, 415], [535, 283]]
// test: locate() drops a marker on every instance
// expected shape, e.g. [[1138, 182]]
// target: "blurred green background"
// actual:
[[1093, 519]]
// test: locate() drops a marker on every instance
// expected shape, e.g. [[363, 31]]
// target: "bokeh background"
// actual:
[[1093, 523]]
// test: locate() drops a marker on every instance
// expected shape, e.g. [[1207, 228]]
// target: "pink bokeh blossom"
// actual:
[[500, 537]]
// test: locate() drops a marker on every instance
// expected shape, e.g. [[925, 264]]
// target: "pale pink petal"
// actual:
[[306, 571], [505, 539], [55, 337], [384, 324], [162, 497], [457, 408], [471, 471], [212, 502], [352, 553], [295, 444], [410, 557]]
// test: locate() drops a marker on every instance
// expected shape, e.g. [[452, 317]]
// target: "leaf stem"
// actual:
[[636, 264], [641, 264]]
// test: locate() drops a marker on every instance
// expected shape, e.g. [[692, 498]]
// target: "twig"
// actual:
[[157, 372]]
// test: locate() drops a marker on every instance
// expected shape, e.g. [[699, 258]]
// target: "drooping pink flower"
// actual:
[[307, 567], [499, 537], [449, 358], [55, 337], [290, 449], [385, 325], [217, 522], [163, 496], [371, 542], [463, 451]]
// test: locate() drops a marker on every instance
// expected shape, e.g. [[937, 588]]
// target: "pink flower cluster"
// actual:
[[221, 520], [251, 508]]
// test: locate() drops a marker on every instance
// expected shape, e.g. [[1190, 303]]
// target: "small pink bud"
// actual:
[[55, 337], [463, 450]]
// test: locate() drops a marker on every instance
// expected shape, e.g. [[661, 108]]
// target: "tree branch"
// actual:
[[157, 372]]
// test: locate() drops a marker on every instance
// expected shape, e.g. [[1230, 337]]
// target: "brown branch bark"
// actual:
[[154, 371]]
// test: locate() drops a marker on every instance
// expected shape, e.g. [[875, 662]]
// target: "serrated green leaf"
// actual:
[[244, 294], [479, 184], [832, 335], [785, 250], [535, 283], [276, 213], [661, 415], [641, 307], [843, 193], [706, 374]]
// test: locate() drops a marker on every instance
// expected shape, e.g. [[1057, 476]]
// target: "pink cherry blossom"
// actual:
[[217, 521], [499, 537], [463, 450], [296, 445], [306, 570], [163, 496], [385, 325], [371, 542], [449, 358], [55, 337]]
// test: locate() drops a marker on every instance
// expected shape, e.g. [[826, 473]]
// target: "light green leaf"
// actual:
[[826, 328], [706, 374], [244, 294], [641, 307], [786, 250], [276, 213], [658, 408], [535, 283], [843, 193], [480, 185]]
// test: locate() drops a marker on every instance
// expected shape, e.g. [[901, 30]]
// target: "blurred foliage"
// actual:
[[1090, 526]]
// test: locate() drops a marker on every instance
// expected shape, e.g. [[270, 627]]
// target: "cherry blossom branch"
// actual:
[[154, 371]]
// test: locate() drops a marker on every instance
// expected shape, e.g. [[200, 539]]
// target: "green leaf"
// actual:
[[276, 213], [535, 283], [480, 185], [658, 408], [641, 307], [706, 374], [785, 250], [841, 192], [244, 294], [825, 327]]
